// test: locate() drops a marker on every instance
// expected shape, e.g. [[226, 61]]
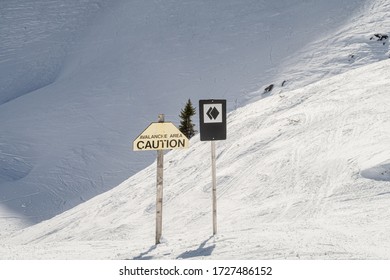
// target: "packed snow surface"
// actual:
[[79, 80], [304, 172]]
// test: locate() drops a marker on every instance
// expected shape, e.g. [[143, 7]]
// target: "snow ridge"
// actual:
[[292, 175], [78, 84]]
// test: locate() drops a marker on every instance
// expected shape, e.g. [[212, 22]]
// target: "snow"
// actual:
[[304, 173], [289, 186]]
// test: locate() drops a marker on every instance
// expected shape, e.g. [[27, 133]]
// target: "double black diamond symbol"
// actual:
[[212, 113]]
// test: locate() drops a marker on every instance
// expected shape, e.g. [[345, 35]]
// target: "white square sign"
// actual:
[[212, 113]]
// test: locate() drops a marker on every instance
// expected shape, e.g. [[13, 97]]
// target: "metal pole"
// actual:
[[214, 186], [159, 197]]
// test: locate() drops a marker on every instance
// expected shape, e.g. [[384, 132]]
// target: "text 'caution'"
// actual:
[[160, 136]]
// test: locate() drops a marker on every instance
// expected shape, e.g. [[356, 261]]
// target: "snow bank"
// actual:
[[291, 184], [80, 79]]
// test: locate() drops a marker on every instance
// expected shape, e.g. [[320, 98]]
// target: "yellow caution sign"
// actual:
[[160, 136]]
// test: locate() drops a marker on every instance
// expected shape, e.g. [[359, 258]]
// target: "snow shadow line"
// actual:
[[200, 251], [143, 255]]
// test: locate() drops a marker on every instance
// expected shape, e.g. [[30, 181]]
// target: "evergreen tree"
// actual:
[[186, 125]]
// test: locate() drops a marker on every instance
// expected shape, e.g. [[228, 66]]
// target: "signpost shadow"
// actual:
[[144, 255], [201, 251]]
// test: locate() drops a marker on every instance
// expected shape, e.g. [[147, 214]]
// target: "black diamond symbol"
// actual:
[[212, 113]]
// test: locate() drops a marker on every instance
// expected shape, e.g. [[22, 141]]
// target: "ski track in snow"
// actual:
[[83, 77], [304, 173], [299, 196], [36, 36]]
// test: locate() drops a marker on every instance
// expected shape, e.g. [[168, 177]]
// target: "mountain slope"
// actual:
[[352, 45], [37, 37], [303, 174], [80, 79]]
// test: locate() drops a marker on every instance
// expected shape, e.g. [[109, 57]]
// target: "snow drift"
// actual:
[[291, 184], [80, 80], [305, 171]]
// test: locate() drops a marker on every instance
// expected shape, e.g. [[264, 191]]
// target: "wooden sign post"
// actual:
[[214, 186], [212, 122], [159, 184], [160, 136]]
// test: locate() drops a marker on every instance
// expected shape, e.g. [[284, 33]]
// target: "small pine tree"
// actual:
[[186, 125]]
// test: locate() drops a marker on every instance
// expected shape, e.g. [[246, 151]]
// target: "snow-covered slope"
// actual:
[[80, 79], [303, 174], [351, 45], [36, 37]]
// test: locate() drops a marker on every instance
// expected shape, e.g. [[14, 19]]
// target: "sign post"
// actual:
[[160, 136], [159, 184], [212, 114], [214, 186]]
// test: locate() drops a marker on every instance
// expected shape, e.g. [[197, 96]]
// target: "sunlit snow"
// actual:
[[303, 174]]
